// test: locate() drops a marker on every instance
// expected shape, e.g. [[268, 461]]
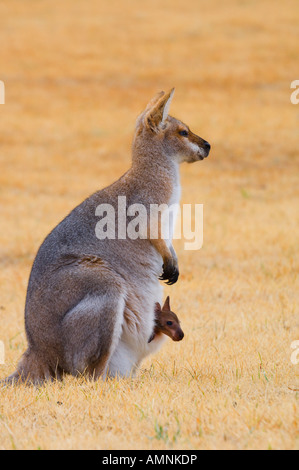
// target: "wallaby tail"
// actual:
[[32, 370]]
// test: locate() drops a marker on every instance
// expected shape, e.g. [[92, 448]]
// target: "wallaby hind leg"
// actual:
[[91, 331]]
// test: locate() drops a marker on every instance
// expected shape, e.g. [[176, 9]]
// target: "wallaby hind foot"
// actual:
[[32, 369]]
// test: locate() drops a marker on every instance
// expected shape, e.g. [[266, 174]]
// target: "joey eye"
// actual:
[[184, 133], [169, 323]]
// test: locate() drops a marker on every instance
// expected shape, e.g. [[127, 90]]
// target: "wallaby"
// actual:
[[90, 302], [166, 322]]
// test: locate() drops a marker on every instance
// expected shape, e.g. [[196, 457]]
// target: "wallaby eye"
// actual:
[[169, 323], [184, 133]]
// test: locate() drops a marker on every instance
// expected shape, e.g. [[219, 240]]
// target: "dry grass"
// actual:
[[77, 73]]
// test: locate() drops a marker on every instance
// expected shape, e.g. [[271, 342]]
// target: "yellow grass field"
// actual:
[[77, 73]]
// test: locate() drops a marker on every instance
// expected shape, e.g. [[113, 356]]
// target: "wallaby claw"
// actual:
[[170, 274]]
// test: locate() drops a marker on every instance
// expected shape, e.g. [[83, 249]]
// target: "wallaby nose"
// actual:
[[207, 146]]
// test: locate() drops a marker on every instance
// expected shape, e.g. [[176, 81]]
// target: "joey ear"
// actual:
[[157, 114], [158, 308], [166, 305]]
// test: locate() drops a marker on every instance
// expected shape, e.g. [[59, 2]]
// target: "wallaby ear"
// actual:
[[150, 105], [167, 104], [157, 114], [166, 305], [154, 101]]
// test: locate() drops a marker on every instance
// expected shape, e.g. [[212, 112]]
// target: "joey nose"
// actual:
[[207, 146], [179, 336]]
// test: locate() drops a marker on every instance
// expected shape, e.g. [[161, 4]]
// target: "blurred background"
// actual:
[[77, 74]]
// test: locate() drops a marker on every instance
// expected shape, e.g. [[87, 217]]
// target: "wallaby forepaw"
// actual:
[[170, 274]]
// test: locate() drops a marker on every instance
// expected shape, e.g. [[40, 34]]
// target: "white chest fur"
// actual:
[[133, 345], [138, 325]]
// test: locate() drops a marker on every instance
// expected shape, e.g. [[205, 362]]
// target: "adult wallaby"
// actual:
[[166, 323], [90, 302]]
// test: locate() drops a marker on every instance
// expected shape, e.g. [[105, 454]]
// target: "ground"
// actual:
[[77, 74]]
